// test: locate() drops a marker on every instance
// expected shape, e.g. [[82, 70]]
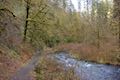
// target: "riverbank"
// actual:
[[49, 68], [87, 52], [88, 70], [62, 66]]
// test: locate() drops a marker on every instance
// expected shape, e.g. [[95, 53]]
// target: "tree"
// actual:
[[116, 15], [27, 16]]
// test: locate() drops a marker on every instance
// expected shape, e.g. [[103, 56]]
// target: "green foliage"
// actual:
[[52, 41], [49, 24], [1, 29], [55, 22]]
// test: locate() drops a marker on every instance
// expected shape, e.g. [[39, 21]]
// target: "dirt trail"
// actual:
[[23, 73]]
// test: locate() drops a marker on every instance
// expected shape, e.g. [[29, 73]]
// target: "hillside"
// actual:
[[87, 30]]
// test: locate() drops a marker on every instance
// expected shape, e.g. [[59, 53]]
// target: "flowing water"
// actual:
[[88, 70]]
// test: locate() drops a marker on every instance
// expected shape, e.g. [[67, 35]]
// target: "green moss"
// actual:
[[13, 54]]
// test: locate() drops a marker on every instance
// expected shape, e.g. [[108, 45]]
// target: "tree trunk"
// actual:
[[26, 23]]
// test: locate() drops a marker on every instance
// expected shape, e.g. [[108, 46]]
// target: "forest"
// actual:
[[32, 32]]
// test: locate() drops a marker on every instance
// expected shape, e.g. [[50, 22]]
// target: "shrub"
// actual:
[[54, 71]]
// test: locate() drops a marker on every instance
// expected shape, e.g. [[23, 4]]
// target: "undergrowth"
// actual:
[[49, 69]]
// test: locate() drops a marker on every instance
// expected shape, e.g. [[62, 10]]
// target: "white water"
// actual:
[[88, 70]]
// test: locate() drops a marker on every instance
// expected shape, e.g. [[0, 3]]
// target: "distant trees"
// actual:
[[96, 16], [49, 22], [101, 17], [116, 15]]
